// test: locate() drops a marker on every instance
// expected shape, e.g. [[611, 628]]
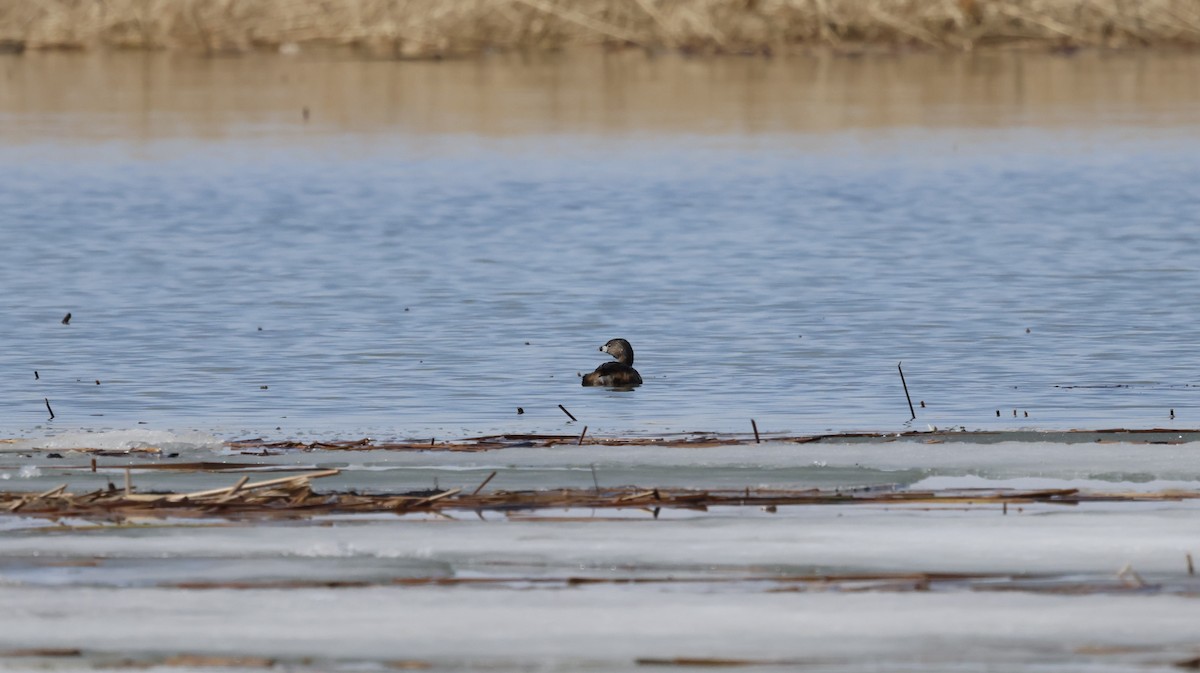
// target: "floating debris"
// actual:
[[292, 497]]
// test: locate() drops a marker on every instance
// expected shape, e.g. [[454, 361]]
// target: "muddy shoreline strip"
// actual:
[[1162, 436], [439, 29], [261, 446]]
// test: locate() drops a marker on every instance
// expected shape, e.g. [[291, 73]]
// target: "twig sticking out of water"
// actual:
[[47, 399], [485, 483], [569, 414], [36, 377], [1130, 576], [755, 426], [128, 482], [906, 395], [595, 481], [67, 319], [238, 486], [580, 442], [1191, 566]]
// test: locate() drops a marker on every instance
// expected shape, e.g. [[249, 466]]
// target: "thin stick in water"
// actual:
[[581, 436], [47, 399], [238, 486], [569, 415], [1191, 566], [755, 426], [485, 483], [595, 481], [906, 395], [128, 482]]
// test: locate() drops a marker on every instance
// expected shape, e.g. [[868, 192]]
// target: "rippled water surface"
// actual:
[[440, 244]]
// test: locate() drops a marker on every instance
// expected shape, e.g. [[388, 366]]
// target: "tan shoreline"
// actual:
[[437, 28]]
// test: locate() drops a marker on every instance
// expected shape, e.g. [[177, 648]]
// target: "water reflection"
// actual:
[[154, 96]]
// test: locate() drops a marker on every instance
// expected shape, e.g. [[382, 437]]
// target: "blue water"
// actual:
[[396, 285]]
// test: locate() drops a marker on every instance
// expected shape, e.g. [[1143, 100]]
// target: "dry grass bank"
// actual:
[[433, 28]]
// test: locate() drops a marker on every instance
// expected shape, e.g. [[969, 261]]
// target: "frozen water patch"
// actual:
[[25, 472], [1118, 483], [1091, 538], [119, 440], [611, 628]]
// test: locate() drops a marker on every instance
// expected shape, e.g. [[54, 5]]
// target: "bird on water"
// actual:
[[619, 374]]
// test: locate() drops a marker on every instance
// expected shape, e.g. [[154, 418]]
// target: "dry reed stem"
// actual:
[[439, 28]]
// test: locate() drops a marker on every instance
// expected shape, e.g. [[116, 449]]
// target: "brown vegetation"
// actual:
[[438, 28], [293, 497]]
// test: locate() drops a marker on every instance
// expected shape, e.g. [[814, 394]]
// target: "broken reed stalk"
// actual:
[[434, 498], [242, 486], [569, 415], [485, 483], [580, 442], [47, 399], [636, 496], [237, 487], [1130, 576], [755, 426], [906, 395], [52, 492], [595, 481], [128, 481]]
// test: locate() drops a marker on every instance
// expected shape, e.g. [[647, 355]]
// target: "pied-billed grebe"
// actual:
[[619, 374]]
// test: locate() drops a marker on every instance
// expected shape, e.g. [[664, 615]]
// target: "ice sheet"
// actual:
[[610, 628]]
